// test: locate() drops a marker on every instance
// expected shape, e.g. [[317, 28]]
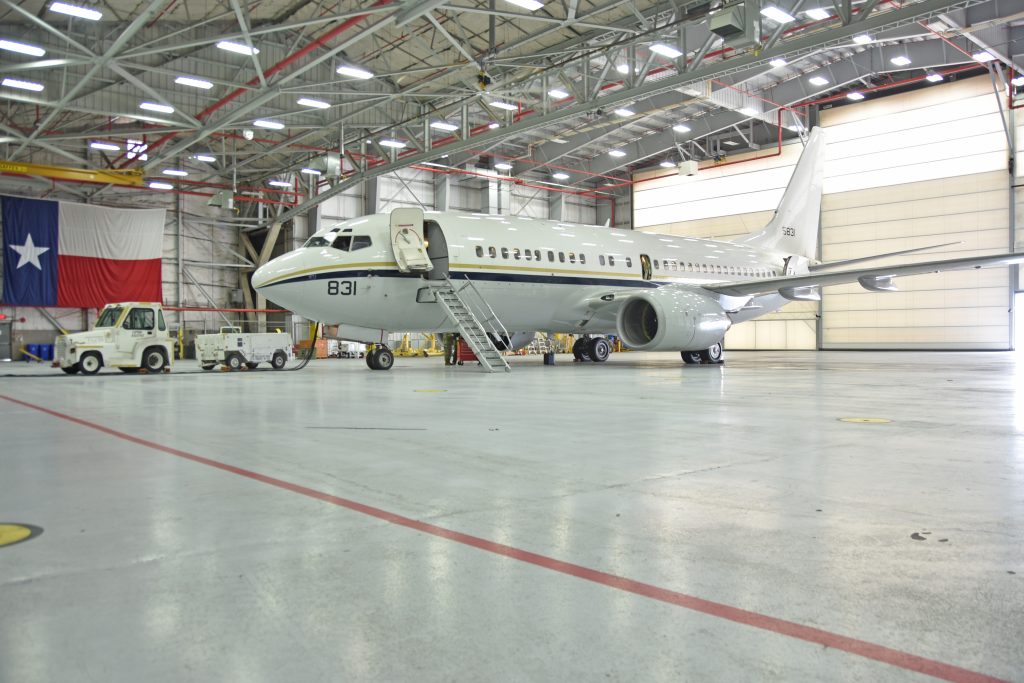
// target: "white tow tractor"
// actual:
[[130, 336], [233, 348]]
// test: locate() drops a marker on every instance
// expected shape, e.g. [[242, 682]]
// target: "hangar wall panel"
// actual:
[[914, 170]]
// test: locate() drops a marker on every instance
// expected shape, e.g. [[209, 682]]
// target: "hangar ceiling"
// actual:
[[576, 93]]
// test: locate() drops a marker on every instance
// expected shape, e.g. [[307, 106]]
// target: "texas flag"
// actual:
[[79, 255]]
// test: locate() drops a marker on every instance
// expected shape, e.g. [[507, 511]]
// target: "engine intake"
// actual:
[[671, 320]]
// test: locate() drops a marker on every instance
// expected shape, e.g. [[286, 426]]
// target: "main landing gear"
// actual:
[[596, 349], [710, 356], [380, 358]]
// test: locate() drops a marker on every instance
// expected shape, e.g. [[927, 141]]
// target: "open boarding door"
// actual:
[[408, 241]]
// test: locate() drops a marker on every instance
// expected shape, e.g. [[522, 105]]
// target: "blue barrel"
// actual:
[[46, 351], [33, 350]]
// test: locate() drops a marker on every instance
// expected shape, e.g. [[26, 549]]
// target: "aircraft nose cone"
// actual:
[[262, 275]]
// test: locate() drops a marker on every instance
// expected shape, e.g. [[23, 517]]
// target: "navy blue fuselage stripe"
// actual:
[[477, 276]]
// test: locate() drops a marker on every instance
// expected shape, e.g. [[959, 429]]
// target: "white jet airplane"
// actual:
[[398, 271]]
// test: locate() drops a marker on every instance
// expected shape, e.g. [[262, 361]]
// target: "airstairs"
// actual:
[[475, 326]]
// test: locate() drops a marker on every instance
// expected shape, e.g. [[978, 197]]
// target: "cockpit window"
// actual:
[[318, 241], [361, 242], [342, 242]]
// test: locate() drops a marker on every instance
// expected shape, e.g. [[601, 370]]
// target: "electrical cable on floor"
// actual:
[[311, 351]]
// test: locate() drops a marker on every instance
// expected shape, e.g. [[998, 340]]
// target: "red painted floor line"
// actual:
[[863, 648]]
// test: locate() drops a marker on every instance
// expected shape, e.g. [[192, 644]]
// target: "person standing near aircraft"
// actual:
[[450, 347]]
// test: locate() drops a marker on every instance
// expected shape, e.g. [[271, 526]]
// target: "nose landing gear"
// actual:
[[380, 358]]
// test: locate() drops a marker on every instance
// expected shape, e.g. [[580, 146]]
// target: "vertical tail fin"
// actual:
[[794, 228]]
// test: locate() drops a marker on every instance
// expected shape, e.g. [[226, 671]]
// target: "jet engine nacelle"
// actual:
[[670, 319]]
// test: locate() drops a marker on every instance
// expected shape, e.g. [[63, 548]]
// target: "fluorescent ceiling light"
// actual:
[[983, 56], [560, 176], [1018, 81], [862, 39], [193, 82], [24, 49], [388, 142], [900, 60], [680, 128], [934, 77], [503, 166], [316, 104], [493, 124], [731, 143], [174, 171], [777, 15], [795, 129], [855, 96], [279, 183], [617, 153], [152, 106], [622, 68], [749, 111], [559, 141], [531, 5], [558, 94], [817, 80], [310, 171], [354, 72], [237, 48], [22, 85], [110, 147], [444, 125], [818, 14], [666, 51], [263, 123], [667, 164], [625, 113], [505, 105], [161, 186], [80, 12], [206, 157], [777, 62]]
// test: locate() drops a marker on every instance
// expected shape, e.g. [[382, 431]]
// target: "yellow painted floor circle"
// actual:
[[16, 533], [866, 420]]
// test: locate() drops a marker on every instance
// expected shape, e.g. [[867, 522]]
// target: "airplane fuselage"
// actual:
[[536, 274]]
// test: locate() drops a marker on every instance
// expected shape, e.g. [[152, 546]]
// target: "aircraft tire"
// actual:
[[691, 357], [712, 355], [371, 359], [384, 360], [580, 351], [599, 349]]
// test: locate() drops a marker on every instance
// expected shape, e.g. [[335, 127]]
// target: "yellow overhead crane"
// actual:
[[131, 177]]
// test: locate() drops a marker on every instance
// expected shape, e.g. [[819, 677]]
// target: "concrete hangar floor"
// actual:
[[633, 521]]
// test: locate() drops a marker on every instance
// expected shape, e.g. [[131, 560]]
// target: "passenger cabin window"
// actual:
[[479, 251], [536, 254], [611, 261], [516, 254], [656, 265], [629, 262], [572, 257], [561, 257], [551, 256], [527, 254], [492, 252], [600, 259], [583, 258], [140, 319], [504, 252], [360, 242]]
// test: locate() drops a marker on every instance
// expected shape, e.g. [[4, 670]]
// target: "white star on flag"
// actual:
[[29, 253]]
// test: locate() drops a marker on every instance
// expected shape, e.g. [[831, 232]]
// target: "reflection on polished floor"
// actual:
[[640, 520]]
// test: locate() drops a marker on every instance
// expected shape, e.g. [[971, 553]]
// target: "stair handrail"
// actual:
[[499, 330]]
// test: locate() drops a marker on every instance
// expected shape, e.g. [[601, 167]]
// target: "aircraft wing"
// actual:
[[879, 279]]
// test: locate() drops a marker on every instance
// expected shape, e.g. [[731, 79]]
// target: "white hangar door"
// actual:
[[913, 170]]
